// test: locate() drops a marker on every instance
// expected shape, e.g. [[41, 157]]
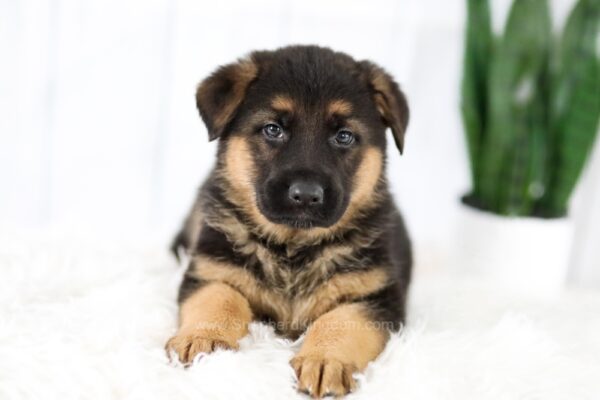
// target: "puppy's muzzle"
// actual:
[[300, 198]]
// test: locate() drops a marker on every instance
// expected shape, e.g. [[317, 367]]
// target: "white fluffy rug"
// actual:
[[84, 320]]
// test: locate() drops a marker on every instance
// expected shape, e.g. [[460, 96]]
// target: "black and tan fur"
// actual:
[[336, 268]]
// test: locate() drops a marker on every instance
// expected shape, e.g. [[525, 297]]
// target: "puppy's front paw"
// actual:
[[322, 376], [187, 346]]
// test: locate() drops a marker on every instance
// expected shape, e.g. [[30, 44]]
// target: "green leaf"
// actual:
[[516, 84], [478, 47], [575, 108]]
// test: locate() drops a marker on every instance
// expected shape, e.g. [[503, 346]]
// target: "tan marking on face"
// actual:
[[283, 104], [261, 117], [240, 172], [339, 107], [365, 181], [239, 167], [338, 343], [366, 177], [363, 195], [356, 125], [214, 316]]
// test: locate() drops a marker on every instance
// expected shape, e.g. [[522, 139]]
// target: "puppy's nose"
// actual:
[[304, 193]]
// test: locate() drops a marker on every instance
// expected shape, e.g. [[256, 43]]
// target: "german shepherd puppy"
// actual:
[[295, 225]]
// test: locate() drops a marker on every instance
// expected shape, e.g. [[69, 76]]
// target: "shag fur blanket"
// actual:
[[81, 319]]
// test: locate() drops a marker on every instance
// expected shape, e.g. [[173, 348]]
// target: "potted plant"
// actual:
[[530, 106]]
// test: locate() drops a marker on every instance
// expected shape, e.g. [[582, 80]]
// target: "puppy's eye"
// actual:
[[344, 138], [273, 131]]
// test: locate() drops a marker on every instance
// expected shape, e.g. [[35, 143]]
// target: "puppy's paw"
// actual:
[[187, 346], [322, 376]]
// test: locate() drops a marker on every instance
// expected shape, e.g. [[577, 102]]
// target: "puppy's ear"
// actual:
[[219, 96], [389, 99]]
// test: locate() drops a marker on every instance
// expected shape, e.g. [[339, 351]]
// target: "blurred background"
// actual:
[[99, 133]]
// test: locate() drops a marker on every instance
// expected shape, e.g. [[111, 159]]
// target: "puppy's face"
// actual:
[[302, 132]]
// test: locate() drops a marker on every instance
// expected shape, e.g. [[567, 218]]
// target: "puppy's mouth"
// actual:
[[302, 222], [298, 220]]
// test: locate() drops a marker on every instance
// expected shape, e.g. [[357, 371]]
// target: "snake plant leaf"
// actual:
[[478, 47], [576, 103], [518, 65]]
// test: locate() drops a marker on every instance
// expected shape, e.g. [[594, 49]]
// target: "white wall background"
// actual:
[[99, 132]]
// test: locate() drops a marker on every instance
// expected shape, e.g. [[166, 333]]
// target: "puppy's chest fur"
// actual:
[[285, 284]]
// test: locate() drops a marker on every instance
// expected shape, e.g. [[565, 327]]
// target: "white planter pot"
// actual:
[[522, 253]]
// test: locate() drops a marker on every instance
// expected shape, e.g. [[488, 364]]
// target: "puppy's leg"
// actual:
[[214, 315], [337, 344]]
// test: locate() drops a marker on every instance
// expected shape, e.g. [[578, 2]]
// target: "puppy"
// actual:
[[295, 225]]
